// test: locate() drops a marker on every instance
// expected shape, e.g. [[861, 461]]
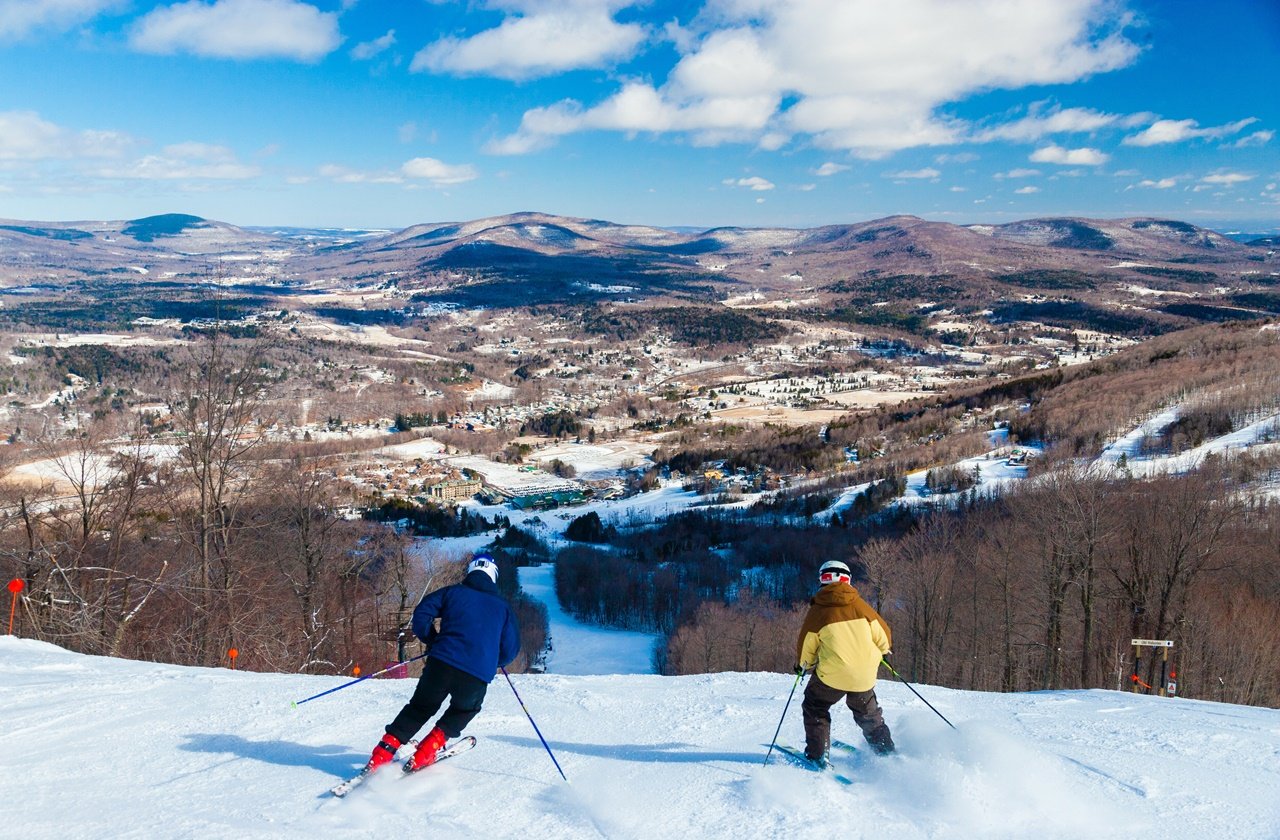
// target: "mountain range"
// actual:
[[534, 258]]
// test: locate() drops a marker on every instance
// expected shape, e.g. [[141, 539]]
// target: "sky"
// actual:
[[387, 113]]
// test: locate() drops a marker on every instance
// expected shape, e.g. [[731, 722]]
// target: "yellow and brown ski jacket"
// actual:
[[844, 637]]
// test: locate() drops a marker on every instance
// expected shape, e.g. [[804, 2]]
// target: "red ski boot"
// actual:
[[384, 752], [426, 753]]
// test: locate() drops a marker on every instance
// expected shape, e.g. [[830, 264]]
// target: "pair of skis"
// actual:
[[342, 789], [798, 758]]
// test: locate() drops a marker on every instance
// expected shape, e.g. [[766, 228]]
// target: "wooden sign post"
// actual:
[[1138, 645]]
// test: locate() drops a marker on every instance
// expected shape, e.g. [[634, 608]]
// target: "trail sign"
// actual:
[[1138, 645]]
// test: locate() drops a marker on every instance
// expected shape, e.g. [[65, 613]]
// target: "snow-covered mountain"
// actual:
[[96, 747]]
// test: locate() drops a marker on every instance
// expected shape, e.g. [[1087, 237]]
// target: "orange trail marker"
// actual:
[[15, 586]]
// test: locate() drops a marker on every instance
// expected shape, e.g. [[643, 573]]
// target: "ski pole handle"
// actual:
[[298, 703]]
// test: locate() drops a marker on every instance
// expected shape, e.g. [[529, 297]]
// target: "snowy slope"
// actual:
[[578, 648], [95, 747]]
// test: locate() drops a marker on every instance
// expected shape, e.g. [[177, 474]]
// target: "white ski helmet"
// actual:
[[834, 570], [484, 563]]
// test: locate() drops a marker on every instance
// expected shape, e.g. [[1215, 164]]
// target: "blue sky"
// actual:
[[386, 113]]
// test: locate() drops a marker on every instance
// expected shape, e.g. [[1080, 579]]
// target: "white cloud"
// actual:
[[639, 107], [542, 38], [1017, 173], [755, 183], [807, 187], [1177, 131], [1257, 138], [25, 135], [239, 29], [1059, 121], [914, 174], [958, 157], [829, 168], [371, 49], [1162, 184], [184, 161], [345, 175], [817, 68], [773, 141], [438, 172], [1069, 157], [959, 189], [1226, 179], [19, 18], [1028, 190]]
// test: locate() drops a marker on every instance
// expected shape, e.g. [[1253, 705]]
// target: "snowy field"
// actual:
[[96, 747], [597, 460]]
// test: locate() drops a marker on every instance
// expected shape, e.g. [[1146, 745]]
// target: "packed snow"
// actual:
[[100, 747]]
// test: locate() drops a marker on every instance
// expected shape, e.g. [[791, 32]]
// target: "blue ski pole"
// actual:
[[298, 703], [799, 674], [535, 726]]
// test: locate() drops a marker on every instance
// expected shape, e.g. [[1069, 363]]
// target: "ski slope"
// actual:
[[96, 747], [578, 648]]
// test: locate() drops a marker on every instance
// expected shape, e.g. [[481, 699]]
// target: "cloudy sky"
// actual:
[[384, 113]]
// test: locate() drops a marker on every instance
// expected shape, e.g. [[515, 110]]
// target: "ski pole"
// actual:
[[535, 726], [298, 703], [768, 755], [916, 693]]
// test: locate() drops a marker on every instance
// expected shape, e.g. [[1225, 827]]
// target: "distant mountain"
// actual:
[[896, 245], [1138, 275], [173, 243]]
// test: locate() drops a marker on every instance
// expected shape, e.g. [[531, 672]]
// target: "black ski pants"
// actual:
[[818, 700], [438, 682]]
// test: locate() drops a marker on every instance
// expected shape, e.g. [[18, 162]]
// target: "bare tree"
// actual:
[[216, 424]]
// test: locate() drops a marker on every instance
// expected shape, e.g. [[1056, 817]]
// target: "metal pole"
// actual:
[[535, 726], [298, 703], [799, 674], [916, 693]]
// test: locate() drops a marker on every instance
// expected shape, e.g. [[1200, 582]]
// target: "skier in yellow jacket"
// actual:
[[842, 639]]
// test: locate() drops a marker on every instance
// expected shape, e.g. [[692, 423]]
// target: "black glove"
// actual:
[[799, 670]]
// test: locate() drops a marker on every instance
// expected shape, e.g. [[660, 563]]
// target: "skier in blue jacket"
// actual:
[[477, 635]]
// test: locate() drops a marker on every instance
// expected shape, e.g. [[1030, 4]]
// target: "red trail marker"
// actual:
[[15, 586]]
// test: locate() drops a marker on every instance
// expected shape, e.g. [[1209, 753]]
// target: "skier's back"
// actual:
[[477, 635], [842, 639]]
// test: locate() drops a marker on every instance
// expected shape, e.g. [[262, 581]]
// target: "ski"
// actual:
[[798, 758], [447, 752], [343, 788], [849, 748]]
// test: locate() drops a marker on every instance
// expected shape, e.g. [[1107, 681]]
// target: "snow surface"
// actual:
[[1260, 433], [97, 747], [581, 649]]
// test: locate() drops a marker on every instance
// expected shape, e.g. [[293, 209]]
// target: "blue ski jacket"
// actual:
[[478, 630]]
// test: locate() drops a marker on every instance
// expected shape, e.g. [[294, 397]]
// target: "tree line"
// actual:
[[183, 548]]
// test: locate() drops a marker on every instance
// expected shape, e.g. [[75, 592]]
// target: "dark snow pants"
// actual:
[[440, 681], [818, 700]]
